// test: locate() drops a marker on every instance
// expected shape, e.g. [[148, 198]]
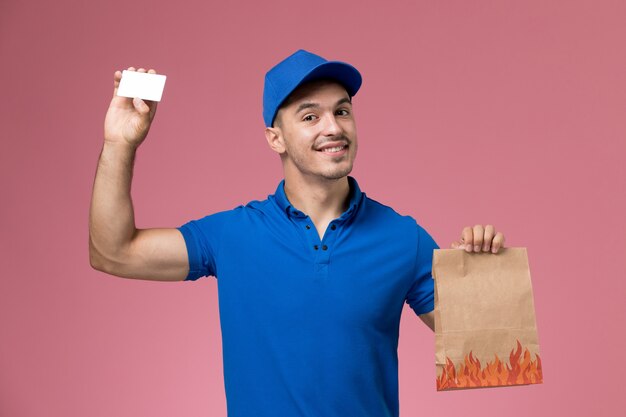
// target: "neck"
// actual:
[[320, 198]]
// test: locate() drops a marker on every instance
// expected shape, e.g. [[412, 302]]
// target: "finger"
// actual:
[[467, 238], [498, 242], [131, 69], [153, 106], [490, 231], [151, 71], [478, 237], [141, 70], [457, 245], [117, 76], [141, 106]]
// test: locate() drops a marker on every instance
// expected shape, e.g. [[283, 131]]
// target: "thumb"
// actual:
[[140, 106]]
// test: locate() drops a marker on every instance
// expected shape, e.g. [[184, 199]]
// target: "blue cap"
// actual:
[[297, 68]]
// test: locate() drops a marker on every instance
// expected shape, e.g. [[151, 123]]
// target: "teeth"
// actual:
[[335, 149]]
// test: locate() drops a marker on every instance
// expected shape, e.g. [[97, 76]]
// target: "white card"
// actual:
[[141, 84]]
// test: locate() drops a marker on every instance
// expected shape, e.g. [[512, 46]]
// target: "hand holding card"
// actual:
[[143, 85], [129, 117]]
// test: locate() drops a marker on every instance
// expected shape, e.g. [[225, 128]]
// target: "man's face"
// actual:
[[315, 131]]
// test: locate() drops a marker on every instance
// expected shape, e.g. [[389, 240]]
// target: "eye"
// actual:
[[346, 112], [307, 118]]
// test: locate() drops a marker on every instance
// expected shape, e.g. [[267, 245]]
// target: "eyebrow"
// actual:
[[310, 104]]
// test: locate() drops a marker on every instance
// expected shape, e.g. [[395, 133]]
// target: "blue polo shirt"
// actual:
[[309, 325]]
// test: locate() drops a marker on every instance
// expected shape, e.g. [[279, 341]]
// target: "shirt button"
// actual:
[[333, 227], [308, 227], [324, 247], [315, 247]]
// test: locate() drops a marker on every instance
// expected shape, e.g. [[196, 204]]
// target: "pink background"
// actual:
[[511, 113]]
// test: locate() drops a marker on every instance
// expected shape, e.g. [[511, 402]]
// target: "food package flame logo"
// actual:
[[520, 370]]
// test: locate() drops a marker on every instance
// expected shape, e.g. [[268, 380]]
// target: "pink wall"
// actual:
[[511, 113]]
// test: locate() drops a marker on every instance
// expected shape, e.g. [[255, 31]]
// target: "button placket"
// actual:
[[321, 248], [301, 222], [312, 238], [330, 237]]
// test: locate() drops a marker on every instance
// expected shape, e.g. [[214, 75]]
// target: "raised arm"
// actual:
[[116, 246]]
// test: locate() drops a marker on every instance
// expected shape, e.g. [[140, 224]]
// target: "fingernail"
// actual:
[[476, 248], [468, 248], [494, 250], [486, 248]]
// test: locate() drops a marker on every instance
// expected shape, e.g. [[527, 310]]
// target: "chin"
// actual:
[[337, 174]]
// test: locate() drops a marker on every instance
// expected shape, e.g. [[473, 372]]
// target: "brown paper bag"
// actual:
[[485, 330]]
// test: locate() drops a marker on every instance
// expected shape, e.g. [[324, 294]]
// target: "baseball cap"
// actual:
[[298, 68]]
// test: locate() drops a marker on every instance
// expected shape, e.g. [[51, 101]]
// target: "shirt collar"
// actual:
[[285, 206]]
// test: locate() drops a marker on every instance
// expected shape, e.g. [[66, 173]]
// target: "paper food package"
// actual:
[[485, 328]]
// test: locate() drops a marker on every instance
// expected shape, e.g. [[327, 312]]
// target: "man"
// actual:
[[312, 280]]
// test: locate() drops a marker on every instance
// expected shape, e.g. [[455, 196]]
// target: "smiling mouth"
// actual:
[[336, 149]]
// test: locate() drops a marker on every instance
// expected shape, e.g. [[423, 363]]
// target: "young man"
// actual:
[[311, 281]]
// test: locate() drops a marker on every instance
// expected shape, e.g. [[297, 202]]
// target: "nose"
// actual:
[[331, 127]]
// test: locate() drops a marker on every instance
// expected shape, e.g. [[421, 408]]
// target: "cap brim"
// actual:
[[343, 72]]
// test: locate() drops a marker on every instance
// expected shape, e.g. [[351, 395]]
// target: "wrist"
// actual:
[[119, 146]]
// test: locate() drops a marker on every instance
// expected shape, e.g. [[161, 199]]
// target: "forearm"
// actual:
[[111, 215]]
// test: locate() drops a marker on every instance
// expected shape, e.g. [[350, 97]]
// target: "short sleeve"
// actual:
[[202, 238], [421, 295]]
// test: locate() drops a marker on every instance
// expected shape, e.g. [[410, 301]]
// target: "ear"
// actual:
[[274, 137]]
